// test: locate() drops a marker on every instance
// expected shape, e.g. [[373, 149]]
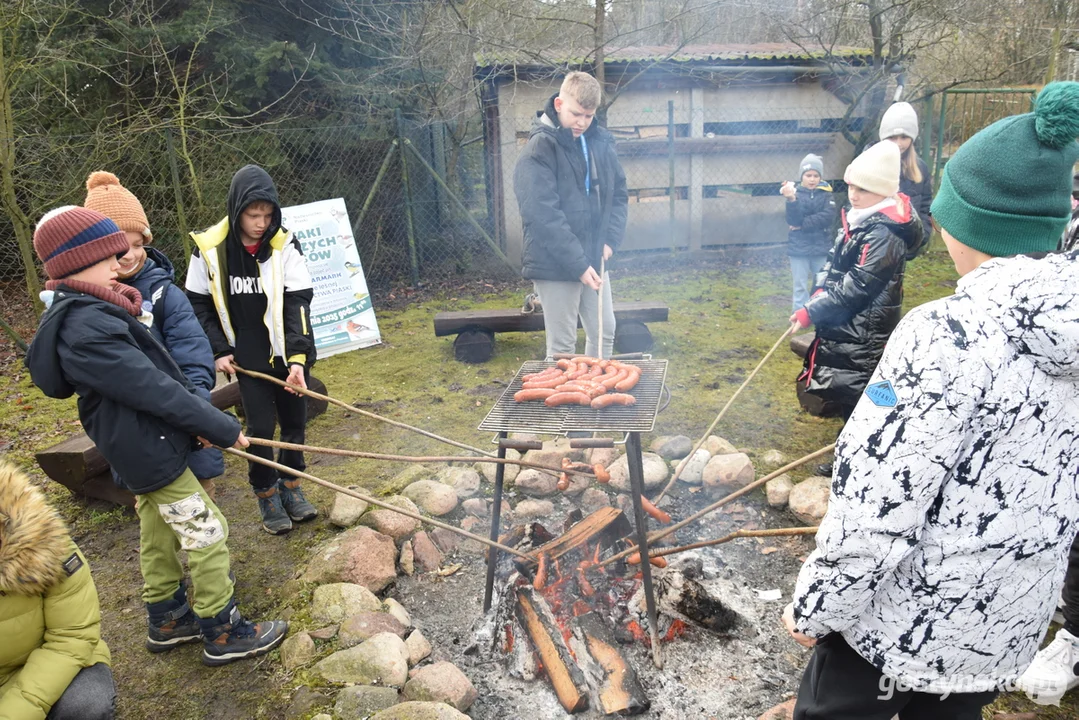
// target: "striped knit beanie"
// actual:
[[105, 194], [69, 239]]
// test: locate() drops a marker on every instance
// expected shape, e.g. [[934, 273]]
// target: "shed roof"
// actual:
[[713, 53]]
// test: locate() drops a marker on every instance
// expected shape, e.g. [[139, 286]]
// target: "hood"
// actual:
[[546, 121], [41, 358], [33, 539], [251, 183], [1035, 302], [156, 268]]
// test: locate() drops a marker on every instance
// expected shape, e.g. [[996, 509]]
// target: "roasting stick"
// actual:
[[678, 469], [778, 532], [599, 339], [373, 501], [413, 458], [354, 409], [660, 534]]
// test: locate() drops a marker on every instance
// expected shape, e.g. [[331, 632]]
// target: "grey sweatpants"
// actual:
[[563, 302]]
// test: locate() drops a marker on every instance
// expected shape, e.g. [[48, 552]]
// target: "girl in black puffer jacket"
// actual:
[[900, 125], [859, 291]]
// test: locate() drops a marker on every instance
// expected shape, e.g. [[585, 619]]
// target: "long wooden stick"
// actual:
[[659, 534], [414, 458], [358, 411], [373, 501], [678, 469], [777, 532]]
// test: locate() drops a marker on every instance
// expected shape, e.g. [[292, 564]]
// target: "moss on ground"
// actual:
[[724, 317]]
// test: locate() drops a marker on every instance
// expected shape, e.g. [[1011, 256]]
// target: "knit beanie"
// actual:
[[1007, 190], [876, 169], [812, 162], [69, 239], [899, 119], [105, 194]]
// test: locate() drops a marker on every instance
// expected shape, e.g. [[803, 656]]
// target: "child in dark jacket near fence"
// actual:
[[175, 325], [811, 215], [859, 292], [900, 126], [144, 416]]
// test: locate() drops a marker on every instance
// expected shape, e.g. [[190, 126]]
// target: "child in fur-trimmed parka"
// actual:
[[955, 495], [859, 291]]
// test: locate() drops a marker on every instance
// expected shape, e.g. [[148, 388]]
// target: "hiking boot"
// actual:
[[825, 470], [532, 304], [274, 518], [296, 505], [171, 623], [1055, 670], [227, 636]]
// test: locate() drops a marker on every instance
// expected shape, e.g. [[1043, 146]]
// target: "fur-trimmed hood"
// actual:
[[33, 539]]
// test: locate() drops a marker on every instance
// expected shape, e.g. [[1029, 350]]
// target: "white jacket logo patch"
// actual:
[[882, 394]]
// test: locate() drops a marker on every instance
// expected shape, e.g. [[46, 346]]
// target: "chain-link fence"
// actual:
[[429, 228]]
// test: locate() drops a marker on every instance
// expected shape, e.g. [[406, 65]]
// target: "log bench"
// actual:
[[475, 329], [76, 463]]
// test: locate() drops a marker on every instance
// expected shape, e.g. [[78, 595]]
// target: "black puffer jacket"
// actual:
[[858, 302], [921, 197], [565, 229], [134, 401], [813, 213]]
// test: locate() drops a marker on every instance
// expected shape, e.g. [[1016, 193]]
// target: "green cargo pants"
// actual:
[[181, 516]]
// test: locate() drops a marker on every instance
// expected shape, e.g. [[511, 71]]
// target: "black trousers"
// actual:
[[90, 696], [266, 405], [839, 684], [1071, 590]]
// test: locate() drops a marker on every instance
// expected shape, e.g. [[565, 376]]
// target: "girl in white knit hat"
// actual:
[[900, 125]]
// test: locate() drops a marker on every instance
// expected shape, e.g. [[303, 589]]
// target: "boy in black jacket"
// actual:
[[144, 416], [251, 291], [811, 214]]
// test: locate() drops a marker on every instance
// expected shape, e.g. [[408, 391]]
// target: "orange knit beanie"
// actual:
[[105, 194]]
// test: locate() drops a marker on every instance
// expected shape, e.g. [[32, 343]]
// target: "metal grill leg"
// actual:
[[496, 519], [636, 481]]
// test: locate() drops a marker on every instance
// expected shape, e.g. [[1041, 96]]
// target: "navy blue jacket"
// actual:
[[814, 213], [176, 327], [134, 401]]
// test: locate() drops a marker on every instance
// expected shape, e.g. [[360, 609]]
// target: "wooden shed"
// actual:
[[705, 134]]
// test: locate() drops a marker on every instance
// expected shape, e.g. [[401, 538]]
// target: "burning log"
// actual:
[[683, 597], [566, 678], [605, 526], [617, 689]]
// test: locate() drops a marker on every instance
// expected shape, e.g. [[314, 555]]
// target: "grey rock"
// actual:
[[382, 660], [346, 509], [408, 559], [464, 481], [718, 446], [727, 473], [488, 469], [323, 633], [809, 499], [535, 483], [672, 447], [477, 507], [406, 477], [304, 701], [398, 611], [297, 651], [432, 497], [397, 526], [693, 472], [362, 701], [534, 509], [428, 557], [359, 555], [441, 682], [778, 490], [420, 711], [773, 459], [593, 499], [364, 626], [445, 540], [604, 456], [655, 472], [418, 647], [334, 602]]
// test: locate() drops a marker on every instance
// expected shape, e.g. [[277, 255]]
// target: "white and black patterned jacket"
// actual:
[[954, 498]]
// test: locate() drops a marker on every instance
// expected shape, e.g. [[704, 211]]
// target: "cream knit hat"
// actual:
[[876, 169], [105, 194]]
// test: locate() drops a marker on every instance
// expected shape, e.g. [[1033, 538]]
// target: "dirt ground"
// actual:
[[725, 314]]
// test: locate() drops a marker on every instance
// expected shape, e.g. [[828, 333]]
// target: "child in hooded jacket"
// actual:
[[175, 326], [900, 126], [811, 213], [859, 291]]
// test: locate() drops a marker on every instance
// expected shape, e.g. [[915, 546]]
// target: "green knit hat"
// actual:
[[1007, 190]]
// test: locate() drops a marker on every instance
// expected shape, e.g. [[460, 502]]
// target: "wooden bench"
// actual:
[[77, 464], [475, 329]]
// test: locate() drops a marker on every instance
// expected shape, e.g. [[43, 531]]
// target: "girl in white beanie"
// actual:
[[900, 125]]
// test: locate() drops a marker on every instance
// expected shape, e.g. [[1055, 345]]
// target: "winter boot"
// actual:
[[171, 623], [227, 636], [295, 503], [274, 518], [1055, 670], [825, 470]]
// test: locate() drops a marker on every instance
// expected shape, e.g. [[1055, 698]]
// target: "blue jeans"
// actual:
[[803, 269]]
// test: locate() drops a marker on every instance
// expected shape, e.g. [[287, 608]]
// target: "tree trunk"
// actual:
[[599, 31]]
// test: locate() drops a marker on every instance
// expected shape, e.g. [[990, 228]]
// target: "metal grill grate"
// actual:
[[508, 415]]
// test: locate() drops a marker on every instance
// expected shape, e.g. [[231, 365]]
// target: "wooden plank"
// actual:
[[618, 689], [566, 678], [604, 525], [800, 343], [451, 323]]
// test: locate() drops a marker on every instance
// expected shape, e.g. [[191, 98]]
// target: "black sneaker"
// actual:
[[171, 623], [825, 470], [296, 505], [227, 637], [274, 518]]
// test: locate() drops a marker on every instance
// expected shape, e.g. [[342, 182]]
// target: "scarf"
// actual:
[[123, 296], [856, 217]]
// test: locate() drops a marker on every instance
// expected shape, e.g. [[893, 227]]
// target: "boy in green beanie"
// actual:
[[955, 495]]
